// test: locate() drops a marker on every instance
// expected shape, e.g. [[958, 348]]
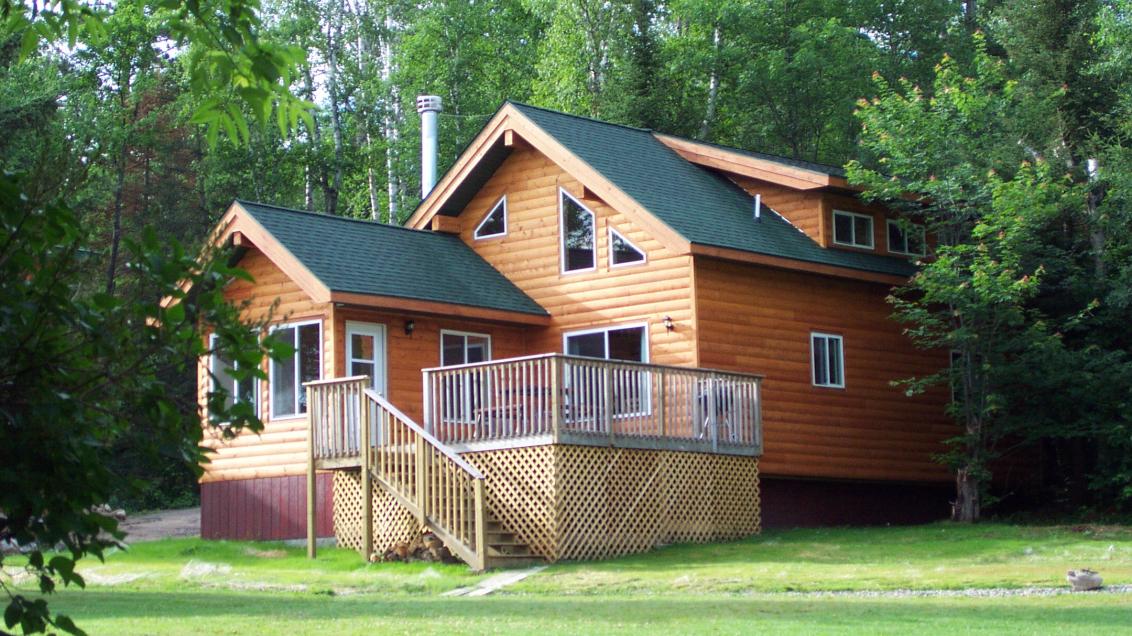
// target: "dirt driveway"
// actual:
[[162, 525]]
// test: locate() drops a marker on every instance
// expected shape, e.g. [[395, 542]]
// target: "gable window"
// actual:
[[240, 391], [577, 234], [905, 238], [852, 229], [622, 251], [288, 398], [495, 223], [828, 360]]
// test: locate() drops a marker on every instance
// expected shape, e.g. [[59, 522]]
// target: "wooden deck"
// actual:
[[515, 452]]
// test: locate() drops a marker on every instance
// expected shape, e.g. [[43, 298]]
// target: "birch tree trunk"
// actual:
[[334, 185], [391, 117]]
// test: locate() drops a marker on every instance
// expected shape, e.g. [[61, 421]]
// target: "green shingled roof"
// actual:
[[365, 257], [700, 205]]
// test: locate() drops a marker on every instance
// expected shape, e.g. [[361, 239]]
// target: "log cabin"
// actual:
[[588, 340]]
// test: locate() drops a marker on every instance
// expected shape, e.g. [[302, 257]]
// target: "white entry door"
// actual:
[[365, 352]]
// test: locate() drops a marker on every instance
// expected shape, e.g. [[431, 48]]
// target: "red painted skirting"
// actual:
[[271, 508]]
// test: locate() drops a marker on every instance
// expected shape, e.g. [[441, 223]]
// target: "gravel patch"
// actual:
[[991, 592]]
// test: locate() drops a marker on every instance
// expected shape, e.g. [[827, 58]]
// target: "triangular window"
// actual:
[[622, 251], [495, 223]]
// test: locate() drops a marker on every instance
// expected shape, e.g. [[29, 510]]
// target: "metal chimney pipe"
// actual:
[[428, 106]]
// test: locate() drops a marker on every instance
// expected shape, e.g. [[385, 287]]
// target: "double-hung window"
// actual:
[[852, 229], [828, 360], [288, 398], [905, 238], [577, 231], [222, 370]]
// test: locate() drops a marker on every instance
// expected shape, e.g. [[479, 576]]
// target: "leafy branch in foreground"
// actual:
[[79, 370]]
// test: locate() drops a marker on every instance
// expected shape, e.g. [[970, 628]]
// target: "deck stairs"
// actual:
[[426, 477]]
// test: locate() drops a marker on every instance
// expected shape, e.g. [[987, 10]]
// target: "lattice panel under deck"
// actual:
[[520, 491], [584, 502], [392, 523]]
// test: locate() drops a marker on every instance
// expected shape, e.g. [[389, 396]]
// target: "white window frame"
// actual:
[[585, 332], [562, 234], [379, 331], [467, 404], [501, 202], [872, 229], [840, 359], [298, 384], [646, 376], [455, 332], [233, 390], [904, 227], [612, 265]]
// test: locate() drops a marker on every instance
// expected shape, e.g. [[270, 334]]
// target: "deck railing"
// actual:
[[570, 399]]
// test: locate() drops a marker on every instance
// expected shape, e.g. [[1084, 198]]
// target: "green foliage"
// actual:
[[81, 370]]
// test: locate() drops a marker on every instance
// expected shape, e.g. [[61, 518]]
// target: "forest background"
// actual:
[[1013, 116]]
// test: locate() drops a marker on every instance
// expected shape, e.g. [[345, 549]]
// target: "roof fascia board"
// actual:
[[238, 219], [748, 166], [443, 190], [796, 265], [437, 308]]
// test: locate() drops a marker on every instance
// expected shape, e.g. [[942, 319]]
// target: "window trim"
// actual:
[[298, 384], [612, 265], [457, 332], [476, 233], [562, 192], [841, 359], [363, 327], [212, 378], [888, 223], [585, 332], [872, 229]]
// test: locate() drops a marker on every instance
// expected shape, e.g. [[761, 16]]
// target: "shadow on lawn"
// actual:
[[527, 613]]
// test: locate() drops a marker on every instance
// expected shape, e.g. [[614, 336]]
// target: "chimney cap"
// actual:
[[427, 103]]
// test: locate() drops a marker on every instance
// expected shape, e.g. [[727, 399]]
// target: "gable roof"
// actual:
[[702, 206], [351, 258]]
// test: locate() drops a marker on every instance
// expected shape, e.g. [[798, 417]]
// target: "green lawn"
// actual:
[[192, 586]]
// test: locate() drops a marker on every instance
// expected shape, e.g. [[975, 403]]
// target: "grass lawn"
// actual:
[[192, 586]]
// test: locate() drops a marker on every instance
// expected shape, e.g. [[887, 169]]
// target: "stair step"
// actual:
[[514, 561], [509, 551]]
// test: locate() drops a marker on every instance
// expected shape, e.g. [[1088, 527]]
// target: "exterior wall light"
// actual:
[[409, 327], [668, 324]]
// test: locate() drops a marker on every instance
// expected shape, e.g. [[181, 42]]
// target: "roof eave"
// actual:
[[743, 256], [438, 308]]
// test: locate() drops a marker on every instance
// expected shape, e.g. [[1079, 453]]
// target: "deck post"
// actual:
[[312, 479], [555, 398], [419, 469], [713, 419], [367, 473], [481, 527], [660, 389], [607, 398]]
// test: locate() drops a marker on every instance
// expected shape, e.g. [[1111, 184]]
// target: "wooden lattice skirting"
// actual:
[[392, 523], [585, 502]]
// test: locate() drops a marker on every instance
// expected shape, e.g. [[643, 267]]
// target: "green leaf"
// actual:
[[64, 622]]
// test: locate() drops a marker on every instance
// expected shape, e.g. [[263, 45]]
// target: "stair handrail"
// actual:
[[429, 496], [428, 437]]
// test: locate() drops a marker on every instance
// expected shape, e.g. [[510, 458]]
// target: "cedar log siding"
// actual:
[[254, 486], [803, 208], [758, 319], [529, 255]]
